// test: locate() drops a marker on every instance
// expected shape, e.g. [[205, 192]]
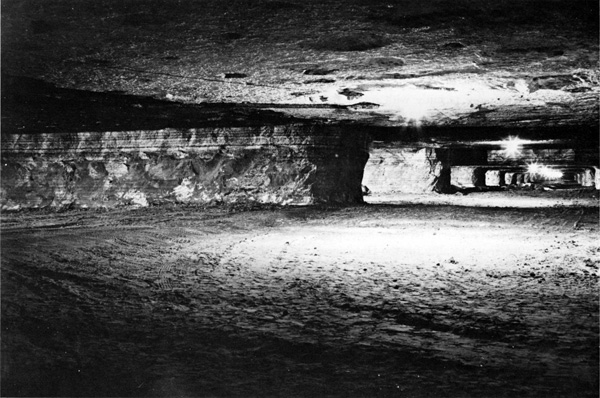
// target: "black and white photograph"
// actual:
[[300, 198]]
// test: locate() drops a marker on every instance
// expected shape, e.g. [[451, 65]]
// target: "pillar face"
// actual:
[[273, 164], [468, 176], [406, 170], [510, 178], [588, 178], [339, 156], [494, 178]]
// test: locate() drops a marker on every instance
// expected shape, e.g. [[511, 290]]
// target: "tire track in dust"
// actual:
[[163, 282]]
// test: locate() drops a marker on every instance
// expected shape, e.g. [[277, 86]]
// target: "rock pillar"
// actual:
[[292, 164], [468, 176], [406, 170]]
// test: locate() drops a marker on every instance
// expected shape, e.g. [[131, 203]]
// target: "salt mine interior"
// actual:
[[291, 198]]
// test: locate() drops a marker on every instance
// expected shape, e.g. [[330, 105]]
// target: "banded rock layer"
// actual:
[[293, 164]]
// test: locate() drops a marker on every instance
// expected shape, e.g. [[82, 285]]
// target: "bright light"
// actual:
[[512, 146], [414, 110], [550, 174], [534, 168], [544, 172]]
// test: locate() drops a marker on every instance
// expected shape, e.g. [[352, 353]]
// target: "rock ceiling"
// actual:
[[522, 63]]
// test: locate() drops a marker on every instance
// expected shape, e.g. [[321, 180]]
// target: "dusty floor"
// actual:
[[378, 300]]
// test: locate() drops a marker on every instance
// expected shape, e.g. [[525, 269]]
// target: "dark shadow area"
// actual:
[[33, 106], [473, 15]]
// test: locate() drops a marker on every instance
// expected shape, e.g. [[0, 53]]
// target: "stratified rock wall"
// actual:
[[406, 170], [295, 164]]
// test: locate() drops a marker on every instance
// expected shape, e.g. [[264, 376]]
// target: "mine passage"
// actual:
[[285, 198]]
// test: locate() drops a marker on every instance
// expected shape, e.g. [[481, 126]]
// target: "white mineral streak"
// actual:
[[136, 198], [116, 169], [185, 190]]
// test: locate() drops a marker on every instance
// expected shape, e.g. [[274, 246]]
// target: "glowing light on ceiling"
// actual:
[[435, 98], [512, 146], [426, 99], [544, 172], [415, 111], [534, 168]]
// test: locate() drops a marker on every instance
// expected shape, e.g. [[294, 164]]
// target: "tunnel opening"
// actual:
[[426, 162], [188, 217]]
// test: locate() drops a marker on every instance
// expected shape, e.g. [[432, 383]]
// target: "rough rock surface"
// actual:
[[277, 164], [467, 176], [366, 301], [587, 178], [462, 62], [409, 170], [494, 178]]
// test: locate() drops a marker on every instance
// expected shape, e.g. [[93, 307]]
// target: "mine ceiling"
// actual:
[[479, 65]]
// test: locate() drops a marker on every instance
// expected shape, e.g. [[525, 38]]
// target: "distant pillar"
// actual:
[[587, 178], [519, 179], [467, 176], [509, 178], [492, 178], [407, 170]]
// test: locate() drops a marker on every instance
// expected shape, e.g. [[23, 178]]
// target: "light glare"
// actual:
[[512, 146], [544, 172], [415, 111]]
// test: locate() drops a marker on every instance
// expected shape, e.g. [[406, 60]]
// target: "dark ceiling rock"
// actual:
[[40, 27], [234, 75], [232, 35], [319, 71], [454, 45], [364, 105], [577, 82], [143, 18], [386, 62], [275, 5], [523, 63], [360, 41], [323, 80], [350, 94]]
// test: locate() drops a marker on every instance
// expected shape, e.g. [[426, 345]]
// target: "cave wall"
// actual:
[[292, 164], [406, 170]]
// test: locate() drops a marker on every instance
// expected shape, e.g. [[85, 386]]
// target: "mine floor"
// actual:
[[406, 300]]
